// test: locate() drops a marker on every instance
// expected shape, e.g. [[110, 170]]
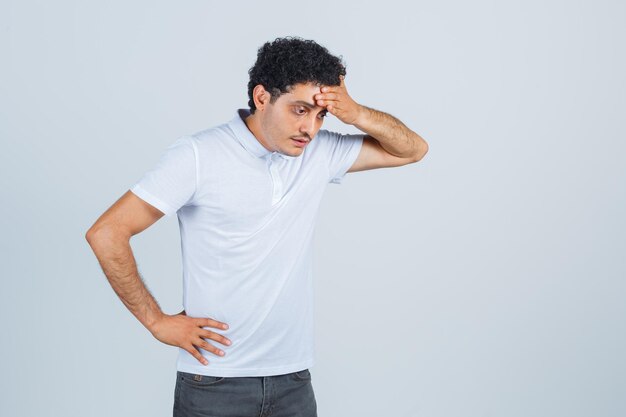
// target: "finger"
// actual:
[[211, 323], [207, 334], [327, 96], [330, 88], [201, 343], [194, 352], [323, 103]]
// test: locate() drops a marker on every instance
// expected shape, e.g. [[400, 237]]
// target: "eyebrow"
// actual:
[[306, 104]]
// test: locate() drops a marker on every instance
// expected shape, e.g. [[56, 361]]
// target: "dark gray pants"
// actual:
[[288, 395]]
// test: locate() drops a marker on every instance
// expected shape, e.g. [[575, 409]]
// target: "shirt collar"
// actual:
[[247, 139]]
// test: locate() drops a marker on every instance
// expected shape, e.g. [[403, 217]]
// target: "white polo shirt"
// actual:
[[247, 217]]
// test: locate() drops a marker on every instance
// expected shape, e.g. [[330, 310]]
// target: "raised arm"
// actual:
[[388, 143]]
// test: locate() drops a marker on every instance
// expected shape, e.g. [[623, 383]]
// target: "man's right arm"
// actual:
[[109, 239]]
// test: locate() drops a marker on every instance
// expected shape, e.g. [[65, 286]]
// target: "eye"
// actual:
[[322, 115], [300, 110]]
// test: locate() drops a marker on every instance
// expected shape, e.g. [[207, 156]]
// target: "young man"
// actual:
[[246, 194]]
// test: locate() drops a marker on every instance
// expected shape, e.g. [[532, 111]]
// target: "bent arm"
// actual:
[[109, 239], [393, 135]]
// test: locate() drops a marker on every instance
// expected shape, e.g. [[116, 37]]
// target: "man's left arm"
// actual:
[[391, 133], [388, 142]]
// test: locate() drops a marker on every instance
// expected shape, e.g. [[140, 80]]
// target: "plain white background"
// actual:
[[486, 280]]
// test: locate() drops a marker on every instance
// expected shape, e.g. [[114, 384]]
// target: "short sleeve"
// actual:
[[171, 184], [342, 150]]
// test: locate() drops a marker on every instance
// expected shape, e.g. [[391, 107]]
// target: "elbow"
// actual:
[[103, 236], [90, 235], [94, 237], [422, 152], [95, 233]]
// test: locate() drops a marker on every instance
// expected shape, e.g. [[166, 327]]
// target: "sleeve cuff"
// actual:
[[349, 160], [153, 201]]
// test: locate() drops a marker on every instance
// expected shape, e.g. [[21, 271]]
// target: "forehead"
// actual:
[[302, 92]]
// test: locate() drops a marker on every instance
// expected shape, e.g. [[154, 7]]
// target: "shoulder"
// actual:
[[335, 141], [211, 133], [212, 137], [324, 135]]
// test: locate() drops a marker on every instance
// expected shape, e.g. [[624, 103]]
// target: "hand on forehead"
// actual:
[[324, 88], [337, 101], [329, 93]]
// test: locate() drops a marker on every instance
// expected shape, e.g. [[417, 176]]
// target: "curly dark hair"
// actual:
[[292, 60]]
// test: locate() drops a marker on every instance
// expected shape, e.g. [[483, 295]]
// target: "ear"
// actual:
[[260, 96]]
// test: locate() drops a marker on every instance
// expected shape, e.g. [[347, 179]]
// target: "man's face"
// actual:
[[293, 115]]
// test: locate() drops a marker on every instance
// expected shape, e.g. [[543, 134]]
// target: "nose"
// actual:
[[308, 127]]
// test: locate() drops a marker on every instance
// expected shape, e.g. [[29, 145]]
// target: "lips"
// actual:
[[299, 142]]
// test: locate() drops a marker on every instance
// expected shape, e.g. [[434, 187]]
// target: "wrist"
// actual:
[[361, 116], [153, 322]]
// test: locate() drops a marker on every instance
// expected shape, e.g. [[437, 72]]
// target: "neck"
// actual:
[[253, 124]]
